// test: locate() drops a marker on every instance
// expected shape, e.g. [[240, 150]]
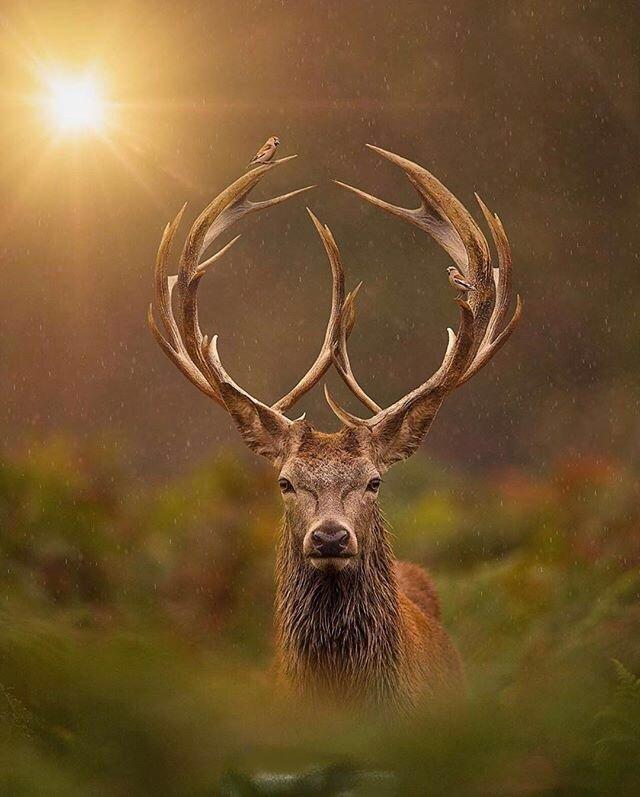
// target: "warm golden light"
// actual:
[[75, 103]]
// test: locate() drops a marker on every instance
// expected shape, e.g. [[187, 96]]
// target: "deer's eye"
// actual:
[[285, 485], [374, 485]]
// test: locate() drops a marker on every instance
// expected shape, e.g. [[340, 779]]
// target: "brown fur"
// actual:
[[370, 633], [416, 584]]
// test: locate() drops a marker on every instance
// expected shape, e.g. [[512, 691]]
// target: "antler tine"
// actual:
[[494, 338], [174, 347], [484, 354], [225, 210], [501, 274], [245, 206], [182, 361], [341, 354], [450, 224], [441, 208], [347, 418], [162, 291], [192, 334], [322, 362]]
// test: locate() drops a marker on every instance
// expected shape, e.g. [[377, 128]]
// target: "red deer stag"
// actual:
[[353, 623]]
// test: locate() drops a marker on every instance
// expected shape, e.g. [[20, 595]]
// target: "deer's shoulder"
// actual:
[[416, 584]]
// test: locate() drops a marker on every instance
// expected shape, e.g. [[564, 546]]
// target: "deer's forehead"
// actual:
[[327, 471], [323, 460]]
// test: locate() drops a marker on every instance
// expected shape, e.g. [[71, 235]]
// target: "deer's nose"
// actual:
[[330, 538]]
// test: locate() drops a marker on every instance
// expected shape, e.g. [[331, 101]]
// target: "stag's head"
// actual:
[[330, 482]]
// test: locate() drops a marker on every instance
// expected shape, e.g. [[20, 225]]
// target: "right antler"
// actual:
[[194, 353], [482, 329]]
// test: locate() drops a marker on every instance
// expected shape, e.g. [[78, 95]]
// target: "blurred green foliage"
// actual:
[[136, 634]]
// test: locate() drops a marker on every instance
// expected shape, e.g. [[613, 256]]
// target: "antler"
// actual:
[[482, 329], [183, 342]]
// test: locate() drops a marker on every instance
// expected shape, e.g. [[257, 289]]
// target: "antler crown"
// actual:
[[483, 326]]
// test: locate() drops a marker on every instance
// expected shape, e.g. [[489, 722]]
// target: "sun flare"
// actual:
[[75, 103]]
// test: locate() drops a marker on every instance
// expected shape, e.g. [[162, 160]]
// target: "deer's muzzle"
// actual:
[[330, 542]]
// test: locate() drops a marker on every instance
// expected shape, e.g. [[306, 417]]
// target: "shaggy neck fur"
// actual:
[[339, 633]]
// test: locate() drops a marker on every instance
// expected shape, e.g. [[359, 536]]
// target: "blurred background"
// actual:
[[137, 535]]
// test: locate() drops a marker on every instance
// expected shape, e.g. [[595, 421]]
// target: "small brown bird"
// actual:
[[458, 281], [266, 151]]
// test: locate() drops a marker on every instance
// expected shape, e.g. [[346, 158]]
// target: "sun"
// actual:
[[75, 103]]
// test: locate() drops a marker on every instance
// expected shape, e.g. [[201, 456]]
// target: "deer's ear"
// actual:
[[398, 435], [264, 430]]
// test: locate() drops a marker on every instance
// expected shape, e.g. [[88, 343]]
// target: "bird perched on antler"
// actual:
[[458, 281], [266, 151]]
